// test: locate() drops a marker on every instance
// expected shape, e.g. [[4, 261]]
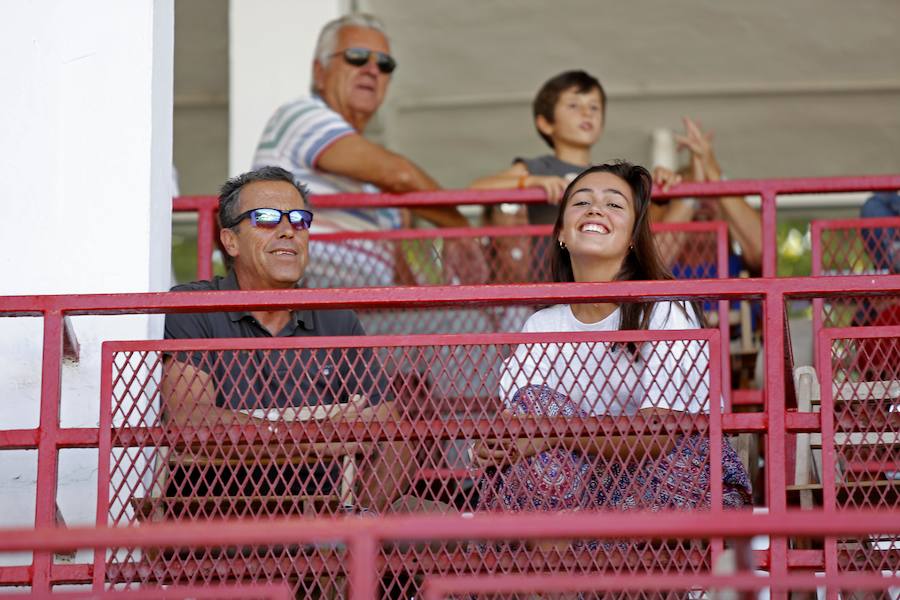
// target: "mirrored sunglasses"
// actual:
[[360, 56], [271, 217]]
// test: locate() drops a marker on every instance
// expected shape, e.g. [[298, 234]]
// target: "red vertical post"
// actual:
[[776, 494], [724, 309], [769, 233], [48, 440], [716, 344], [363, 575], [817, 303], [104, 449], [829, 496], [206, 231]]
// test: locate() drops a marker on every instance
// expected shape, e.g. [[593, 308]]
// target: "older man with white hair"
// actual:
[[319, 139]]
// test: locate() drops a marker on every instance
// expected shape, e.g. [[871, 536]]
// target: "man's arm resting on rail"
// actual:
[[189, 400], [356, 157]]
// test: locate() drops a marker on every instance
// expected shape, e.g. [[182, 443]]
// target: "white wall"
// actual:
[[85, 160], [272, 44]]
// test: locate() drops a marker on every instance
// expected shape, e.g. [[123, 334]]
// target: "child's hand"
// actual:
[[553, 186], [665, 178]]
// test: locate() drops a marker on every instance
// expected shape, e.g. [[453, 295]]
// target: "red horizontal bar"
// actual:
[[60, 574], [744, 422], [29, 439], [859, 333], [198, 591], [15, 575], [418, 429], [440, 339], [857, 223], [803, 422], [796, 559], [19, 439], [758, 422], [737, 187], [423, 527], [874, 466], [495, 231], [747, 398], [438, 296], [440, 586]]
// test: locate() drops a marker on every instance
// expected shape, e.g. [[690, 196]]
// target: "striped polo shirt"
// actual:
[[294, 139]]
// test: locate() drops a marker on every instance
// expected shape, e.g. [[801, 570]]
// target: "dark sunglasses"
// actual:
[[271, 217], [360, 56]]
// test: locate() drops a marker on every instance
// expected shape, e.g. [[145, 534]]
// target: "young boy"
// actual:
[[568, 114]]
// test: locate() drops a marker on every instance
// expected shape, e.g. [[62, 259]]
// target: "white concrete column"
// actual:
[[270, 63], [85, 160]]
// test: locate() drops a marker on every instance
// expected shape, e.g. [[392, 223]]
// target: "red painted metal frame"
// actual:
[[718, 227], [435, 588], [766, 189], [184, 592], [365, 535], [817, 228], [824, 367], [48, 438]]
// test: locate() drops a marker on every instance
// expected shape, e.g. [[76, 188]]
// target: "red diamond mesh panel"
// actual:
[[472, 427], [858, 250], [490, 255], [505, 258], [866, 393]]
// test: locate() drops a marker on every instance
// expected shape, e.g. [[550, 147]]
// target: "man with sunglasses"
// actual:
[[265, 231], [319, 139]]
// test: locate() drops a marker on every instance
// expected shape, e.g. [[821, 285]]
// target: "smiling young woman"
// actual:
[[602, 234]]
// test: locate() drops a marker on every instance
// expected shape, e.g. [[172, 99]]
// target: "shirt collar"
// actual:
[[302, 317]]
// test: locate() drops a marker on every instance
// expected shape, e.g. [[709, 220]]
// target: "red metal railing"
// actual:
[[49, 437], [357, 259], [197, 466], [767, 189], [363, 537], [855, 246]]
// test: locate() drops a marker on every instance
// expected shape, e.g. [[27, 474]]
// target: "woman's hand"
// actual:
[[499, 452]]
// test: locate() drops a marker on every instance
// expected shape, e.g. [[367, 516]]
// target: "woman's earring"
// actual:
[[562, 244]]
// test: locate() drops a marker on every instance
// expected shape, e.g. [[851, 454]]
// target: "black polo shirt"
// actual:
[[265, 379]]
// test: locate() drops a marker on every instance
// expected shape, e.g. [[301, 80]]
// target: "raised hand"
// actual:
[[704, 164], [665, 178]]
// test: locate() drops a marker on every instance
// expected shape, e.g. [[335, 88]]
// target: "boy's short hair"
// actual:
[[545, 102]]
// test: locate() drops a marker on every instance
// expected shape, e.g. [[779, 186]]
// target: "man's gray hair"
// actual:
[[327, 42], [230, 193]]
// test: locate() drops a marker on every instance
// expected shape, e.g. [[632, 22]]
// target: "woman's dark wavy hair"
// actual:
[[642, 261]]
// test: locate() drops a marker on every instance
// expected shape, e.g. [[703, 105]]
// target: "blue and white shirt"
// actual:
[[294, 139]]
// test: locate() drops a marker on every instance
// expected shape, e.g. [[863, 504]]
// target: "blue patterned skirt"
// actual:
[[555, 480]]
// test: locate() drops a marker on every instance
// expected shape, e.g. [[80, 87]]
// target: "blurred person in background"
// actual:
[[744, 222], [882, 243]]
